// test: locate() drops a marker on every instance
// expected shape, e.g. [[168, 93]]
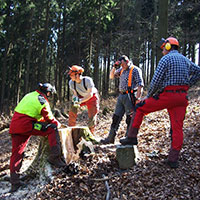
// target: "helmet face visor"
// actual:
[[72, 72], [47, 87], [53, 90], [161, 43]]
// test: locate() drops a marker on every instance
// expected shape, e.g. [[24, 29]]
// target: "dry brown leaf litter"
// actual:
[[149, 179]]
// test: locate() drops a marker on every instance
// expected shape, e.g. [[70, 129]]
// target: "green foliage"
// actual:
[[47, 36]]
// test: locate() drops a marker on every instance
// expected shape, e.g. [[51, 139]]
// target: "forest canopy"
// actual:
[[41, 39]]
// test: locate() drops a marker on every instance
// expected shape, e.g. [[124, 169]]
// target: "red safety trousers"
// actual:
[[93, 108], [174, 99], [19, 142]]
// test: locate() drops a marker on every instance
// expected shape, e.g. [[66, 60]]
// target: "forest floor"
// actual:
[[149, 179]]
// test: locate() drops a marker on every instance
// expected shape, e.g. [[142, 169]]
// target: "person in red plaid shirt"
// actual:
[[168, 90]]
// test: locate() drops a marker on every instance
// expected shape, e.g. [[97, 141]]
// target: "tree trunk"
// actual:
[[46, 32], [19, 80], [162, 24], [3, 76], [90, 52], [153, 41], [138, 41], [29, 53], [103, 79], [96, 61], [108, 67], [193, 52], [199, 55]]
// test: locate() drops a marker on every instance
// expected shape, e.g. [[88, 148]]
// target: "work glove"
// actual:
[[117, 64], [63, 126], [75, 101]]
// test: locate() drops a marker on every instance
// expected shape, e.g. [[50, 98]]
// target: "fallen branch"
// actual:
[[106, 178], [107, 187], [102, 179]]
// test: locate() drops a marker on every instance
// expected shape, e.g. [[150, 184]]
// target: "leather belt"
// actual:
[[122, 92], [176, 91]]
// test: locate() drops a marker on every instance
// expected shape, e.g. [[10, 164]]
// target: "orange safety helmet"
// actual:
[[76, 70], [168, 43]]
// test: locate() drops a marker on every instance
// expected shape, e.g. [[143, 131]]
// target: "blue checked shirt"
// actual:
[[174, 69], [137, 79]]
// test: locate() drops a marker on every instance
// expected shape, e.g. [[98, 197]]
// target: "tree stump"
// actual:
[[72, 141], [40, 168], [125, 155]]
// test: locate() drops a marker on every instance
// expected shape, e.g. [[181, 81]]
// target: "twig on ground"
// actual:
[[107, 187]]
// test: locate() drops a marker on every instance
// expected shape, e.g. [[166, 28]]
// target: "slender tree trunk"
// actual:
[[19, 81], [137, 44], [144, 64], [189, 51], [46, 28], [148, 62], [90, 50], [104, 74], [29, 53], [193, 52], [108, 67], [62, 68], [96, 61], [58, 58], [3, 75], [199, 55], [162, 24], [153, 41]]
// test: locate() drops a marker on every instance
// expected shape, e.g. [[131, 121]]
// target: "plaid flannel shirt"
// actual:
[[137, 79], [174, 69]]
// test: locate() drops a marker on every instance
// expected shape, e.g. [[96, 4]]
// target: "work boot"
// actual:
[[172, 160], [15, 182], [171, 164], [128, 121], [129, 141], [114, 127], [56, 161], [55, 157], [110, 139], [15, 187]]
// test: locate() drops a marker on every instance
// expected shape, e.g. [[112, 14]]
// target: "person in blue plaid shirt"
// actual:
[[168, 90], [130, 89]]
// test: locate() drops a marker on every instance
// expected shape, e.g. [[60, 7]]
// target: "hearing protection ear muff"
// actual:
[[125, 58], [168, 46]]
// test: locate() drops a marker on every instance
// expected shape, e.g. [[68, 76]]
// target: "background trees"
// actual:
[[40, 39]]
